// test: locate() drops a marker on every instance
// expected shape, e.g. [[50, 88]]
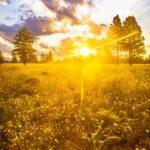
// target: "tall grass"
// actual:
[[74, 107]]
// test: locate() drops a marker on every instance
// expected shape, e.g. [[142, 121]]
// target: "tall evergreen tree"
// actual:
[[32, 58], [134, 44], [47, 57], [50, 56], [23, 42], [1, 58], [14, 57], [42, 57], [115, 32]]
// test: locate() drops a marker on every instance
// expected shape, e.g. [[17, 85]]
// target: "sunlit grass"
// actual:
[[63, 105]]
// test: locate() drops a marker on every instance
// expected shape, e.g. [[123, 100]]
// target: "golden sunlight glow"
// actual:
[[117, 40], [85, 51]]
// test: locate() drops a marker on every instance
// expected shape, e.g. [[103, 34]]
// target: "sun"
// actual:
[[85, 51]]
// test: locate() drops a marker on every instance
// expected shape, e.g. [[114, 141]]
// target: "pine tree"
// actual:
[[134, 44], [14, 57], [42, 57], [32, 58], [23, 42], [1, 58], [115, 32], [47, 57]]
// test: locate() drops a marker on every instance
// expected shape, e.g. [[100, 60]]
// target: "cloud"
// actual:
[[43, 45], [65, 8], [40, 25], [37, 25], [5, 36], [9, 31], [96, 29], [75, 2], [5, 48], [10, 18], [61, 12], [4, 2], [5, 45]]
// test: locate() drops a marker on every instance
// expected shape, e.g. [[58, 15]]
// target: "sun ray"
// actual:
[[117, 40]]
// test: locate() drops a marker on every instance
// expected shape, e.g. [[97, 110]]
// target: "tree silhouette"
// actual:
[[1, 58], [23, 42], [135, 43], [115, 32], [32, 58], [14, 57], [47, 57]]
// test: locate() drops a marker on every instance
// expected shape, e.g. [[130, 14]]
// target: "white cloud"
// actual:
[[38, 8], [6, 47], [4, 2], [3, 41]]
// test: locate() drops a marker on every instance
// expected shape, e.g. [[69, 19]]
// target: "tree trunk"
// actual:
[[25, 59], [24, 63], [130, 50], [117, 54], [130, 57]]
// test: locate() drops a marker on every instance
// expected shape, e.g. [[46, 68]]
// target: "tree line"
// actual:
[[23, 49], [128, 38], [121, 37]]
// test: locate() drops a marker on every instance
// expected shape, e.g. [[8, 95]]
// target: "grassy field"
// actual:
[[74, 107]]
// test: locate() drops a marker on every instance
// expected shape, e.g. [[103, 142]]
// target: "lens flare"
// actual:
[[85, 51], [117, 40]]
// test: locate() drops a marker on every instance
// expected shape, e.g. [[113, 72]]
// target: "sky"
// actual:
[[54, 20]]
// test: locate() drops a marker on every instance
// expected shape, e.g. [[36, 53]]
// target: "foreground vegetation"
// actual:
[[73, 107]]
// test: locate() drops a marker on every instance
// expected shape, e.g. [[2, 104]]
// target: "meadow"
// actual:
[[60, 106]]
